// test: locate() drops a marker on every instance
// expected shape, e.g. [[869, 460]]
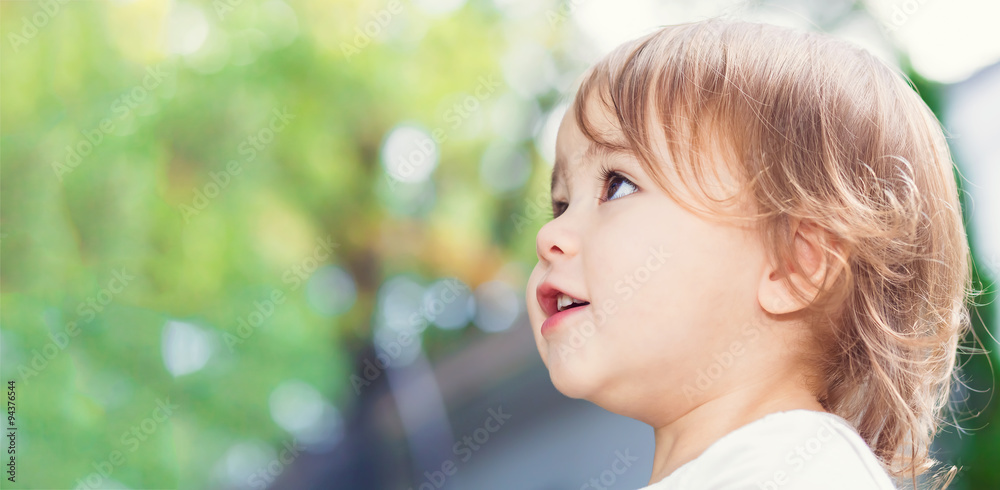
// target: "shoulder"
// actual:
[[782, 451]]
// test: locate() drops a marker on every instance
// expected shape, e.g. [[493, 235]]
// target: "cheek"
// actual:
[[634, 261], [637, 292], [675, 288]]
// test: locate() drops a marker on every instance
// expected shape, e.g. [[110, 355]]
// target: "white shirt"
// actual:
[[782, 451]]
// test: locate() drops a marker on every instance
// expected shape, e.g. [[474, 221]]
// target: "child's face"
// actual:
[[669, 292]]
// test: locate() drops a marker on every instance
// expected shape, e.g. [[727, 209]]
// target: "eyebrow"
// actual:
[[594, 151]]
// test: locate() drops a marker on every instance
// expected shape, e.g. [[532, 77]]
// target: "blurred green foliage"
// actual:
[[161, 125]]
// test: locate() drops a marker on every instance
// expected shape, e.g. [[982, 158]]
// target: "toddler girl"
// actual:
[[757, 248]]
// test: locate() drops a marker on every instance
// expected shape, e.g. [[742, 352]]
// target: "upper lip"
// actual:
[[547, 294]]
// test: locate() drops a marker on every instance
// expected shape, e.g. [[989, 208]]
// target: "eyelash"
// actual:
[[604, 176]]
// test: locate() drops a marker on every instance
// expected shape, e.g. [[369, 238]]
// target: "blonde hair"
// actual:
[[815, 130]]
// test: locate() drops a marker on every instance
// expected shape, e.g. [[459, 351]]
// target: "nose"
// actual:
[[557, 240]]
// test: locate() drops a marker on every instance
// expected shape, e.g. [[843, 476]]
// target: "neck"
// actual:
[[687, 436]]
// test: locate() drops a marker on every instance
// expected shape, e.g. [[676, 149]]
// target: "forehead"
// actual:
[[575, 152]]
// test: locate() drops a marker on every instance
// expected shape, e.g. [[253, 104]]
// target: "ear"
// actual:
[[816, 265]]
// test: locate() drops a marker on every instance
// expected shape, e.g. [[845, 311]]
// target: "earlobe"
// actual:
[[775, 297]]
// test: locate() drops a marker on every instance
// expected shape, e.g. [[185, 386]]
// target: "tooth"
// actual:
[[563, 301]]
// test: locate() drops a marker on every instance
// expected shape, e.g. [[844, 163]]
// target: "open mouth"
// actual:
[[553, 300], [565, 302], [556, 305]]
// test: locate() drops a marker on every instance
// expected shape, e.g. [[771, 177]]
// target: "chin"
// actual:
[[572, 379]]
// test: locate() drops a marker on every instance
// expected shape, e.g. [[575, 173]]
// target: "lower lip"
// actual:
[[554, 321]]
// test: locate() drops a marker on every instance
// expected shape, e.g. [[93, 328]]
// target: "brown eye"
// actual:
[[618, 186]]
